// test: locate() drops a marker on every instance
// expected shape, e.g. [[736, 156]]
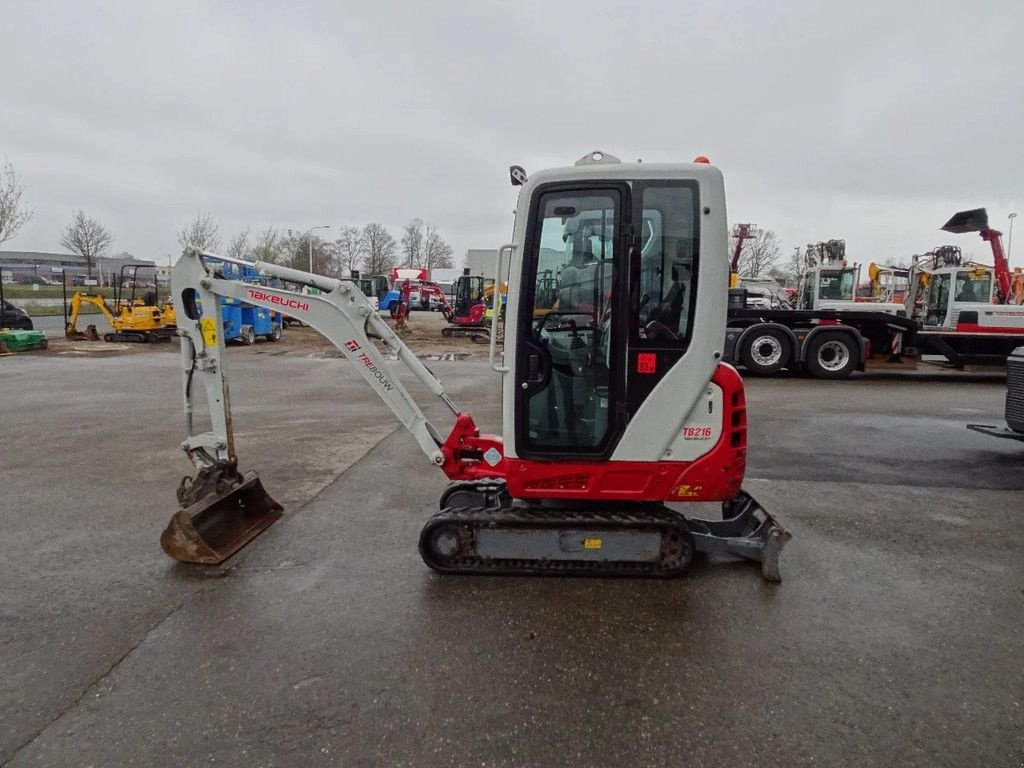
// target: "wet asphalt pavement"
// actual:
[[895, 639]]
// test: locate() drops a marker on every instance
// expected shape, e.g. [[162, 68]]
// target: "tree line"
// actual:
[[371, 248]]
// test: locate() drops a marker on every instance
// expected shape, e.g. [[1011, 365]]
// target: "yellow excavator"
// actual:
[[141, 318], [489, 298], [888, 284]]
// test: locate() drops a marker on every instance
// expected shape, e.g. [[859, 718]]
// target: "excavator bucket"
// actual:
[[89, 334], [220, 522], [975, 220]]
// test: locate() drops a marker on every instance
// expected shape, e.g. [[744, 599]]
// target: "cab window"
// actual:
[[664, 289], [973, 286], [836, 285]]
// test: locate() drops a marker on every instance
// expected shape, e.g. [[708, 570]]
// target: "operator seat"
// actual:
[[967, 292], [670, 310]]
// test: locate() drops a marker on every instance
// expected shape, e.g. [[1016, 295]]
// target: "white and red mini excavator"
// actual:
[[618, 411]]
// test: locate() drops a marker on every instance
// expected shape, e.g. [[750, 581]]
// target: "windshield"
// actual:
[[836, 284], [973, 286]]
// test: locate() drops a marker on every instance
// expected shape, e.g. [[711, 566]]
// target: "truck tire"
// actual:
[[275, 334], [247, 335], [765, 351], [832, 355]]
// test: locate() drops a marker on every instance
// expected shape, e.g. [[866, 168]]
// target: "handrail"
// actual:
[[496, 307]]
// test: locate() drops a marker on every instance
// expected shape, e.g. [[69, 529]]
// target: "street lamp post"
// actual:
[[1009, 237], [309, 239]]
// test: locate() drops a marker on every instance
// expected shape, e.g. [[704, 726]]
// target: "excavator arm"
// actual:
[[223, 509], [341, 313], [75, 309]]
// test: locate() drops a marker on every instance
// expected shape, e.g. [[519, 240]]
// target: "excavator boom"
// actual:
[[222, 509]]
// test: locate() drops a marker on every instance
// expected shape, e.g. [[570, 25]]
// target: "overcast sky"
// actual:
[[869, 121]]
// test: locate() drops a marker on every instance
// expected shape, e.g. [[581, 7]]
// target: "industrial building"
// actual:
[[17, 264]]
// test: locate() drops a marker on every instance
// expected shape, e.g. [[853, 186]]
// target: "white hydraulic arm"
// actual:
[[340, 312]]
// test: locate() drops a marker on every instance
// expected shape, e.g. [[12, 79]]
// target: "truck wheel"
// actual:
[[247, 335], [765, 352], [831, 355], [275, 334]]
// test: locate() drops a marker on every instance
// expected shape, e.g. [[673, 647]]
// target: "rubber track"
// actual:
[[471, 519]]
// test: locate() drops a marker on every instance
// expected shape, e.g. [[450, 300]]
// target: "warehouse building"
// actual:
[[480, 261], [15, 266]]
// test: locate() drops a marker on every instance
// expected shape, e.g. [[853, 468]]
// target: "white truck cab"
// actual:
[[834, 286]]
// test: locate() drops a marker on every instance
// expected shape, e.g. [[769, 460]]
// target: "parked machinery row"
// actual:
[[961, 311]]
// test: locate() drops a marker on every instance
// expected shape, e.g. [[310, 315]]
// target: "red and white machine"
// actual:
[[615, 398], [967, 310]]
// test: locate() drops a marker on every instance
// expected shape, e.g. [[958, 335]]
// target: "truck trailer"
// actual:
[[964, 312]]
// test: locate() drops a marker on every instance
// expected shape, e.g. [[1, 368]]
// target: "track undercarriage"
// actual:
[[141, 337], [481, 530], [479, 333]]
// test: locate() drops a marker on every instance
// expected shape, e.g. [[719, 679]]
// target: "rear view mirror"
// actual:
[[518, 175]]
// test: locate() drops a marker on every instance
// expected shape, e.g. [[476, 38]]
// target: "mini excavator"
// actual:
[[618, 412]]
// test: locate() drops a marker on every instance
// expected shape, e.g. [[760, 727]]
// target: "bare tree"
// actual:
[[437, 253], [350, 248], [240, 248], [87, 238], [759, 254], [412, 244], [381, 249], [794, 268], [13, 214], [202, 232], [270, 246]]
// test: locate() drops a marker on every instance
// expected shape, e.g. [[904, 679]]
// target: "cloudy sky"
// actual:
[[871, 121]]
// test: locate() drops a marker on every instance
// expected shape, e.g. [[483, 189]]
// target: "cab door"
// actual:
[[937, 307], [569, 362]]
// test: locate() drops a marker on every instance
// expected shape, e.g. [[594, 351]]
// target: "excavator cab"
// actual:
[[469, 292]]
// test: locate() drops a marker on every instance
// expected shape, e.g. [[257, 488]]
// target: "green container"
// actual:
[[22, 341]]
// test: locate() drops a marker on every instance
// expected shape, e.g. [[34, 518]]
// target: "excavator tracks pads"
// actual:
[[643, 540]]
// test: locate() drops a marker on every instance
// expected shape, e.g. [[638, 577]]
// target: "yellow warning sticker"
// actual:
[[591, 543], [686, 491], [208, 326]]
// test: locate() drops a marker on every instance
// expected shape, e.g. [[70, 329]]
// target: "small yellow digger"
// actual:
[[134, 318]]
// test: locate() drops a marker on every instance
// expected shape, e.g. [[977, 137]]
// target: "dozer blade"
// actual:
[[746, 530], [975, 220], [219, 524]]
